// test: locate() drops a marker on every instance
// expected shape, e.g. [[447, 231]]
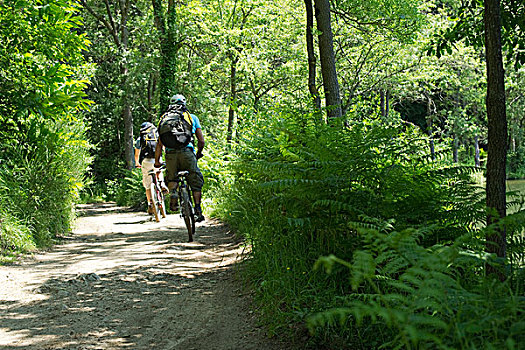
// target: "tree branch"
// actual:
[[103, 21], [108, 10]]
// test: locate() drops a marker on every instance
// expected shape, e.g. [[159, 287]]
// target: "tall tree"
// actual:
[[496, 18], [312, 67], [234, 59], [114, 17], [170, 42], [497, 124], [327, 56], [237, 21], [250, 50]]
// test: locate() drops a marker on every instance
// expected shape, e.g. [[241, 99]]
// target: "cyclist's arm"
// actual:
[[158, 153], [200, 141]]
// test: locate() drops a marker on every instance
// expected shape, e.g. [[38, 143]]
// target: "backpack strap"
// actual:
[[147, 134], [188, 118], [162, 117]]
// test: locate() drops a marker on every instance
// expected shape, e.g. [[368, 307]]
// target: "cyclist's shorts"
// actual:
[[184, 160], [147, 165]]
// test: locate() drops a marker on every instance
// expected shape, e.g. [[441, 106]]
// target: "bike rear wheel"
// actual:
[[187, 213], [156, 201]]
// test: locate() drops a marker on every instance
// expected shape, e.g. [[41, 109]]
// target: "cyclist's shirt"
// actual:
[[196, 125]]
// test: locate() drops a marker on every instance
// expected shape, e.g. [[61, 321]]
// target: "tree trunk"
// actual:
[[476, 151], [382, 102], [312, 87], [127, 116], [497, 130], [128, 135], [233, 98], [431, 142], [327, 56], [430, 127], [151, 92], [120, 34], [169, 47], [455, 149]]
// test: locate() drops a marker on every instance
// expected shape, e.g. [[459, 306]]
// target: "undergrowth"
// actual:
[[15, 238], [40, 178], [299, 189]]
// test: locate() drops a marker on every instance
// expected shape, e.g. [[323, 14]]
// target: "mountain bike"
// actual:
[[157, 197], [187, 212]]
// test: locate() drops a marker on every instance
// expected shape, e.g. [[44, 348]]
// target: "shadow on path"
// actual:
[[125, 282]]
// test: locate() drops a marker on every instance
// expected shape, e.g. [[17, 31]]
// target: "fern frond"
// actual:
[[329, 317], [299, 222], [286, 183], [334, 205]]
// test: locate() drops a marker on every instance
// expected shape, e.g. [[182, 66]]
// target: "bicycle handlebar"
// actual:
[[157, 170]]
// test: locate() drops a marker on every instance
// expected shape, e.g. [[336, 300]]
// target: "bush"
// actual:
[[516, 165], [427, 298], [41, 176], [15, 237], [303, 189], [130, 191]]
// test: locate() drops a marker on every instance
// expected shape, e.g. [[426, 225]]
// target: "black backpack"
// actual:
[[148, 142], [176, 128]]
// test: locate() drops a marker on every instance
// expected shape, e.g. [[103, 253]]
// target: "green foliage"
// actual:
[[516, 164], [42, 175], [429, 298], [15, 237], [44, 152], [40, 60], [110, 89], [468, 25], [396, 18], [302, 189], [130, 191], [126, 190]]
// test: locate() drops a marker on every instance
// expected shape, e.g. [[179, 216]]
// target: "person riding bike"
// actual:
[[178, 123], [145, 146]]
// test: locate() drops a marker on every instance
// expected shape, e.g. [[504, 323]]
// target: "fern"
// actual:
[[421, 296], [368, 194]]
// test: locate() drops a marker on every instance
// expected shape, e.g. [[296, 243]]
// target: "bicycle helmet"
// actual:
[[145, 126], [178, 100]]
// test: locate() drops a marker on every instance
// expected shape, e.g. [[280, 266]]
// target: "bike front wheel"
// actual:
[[162, 204], [187, 213]]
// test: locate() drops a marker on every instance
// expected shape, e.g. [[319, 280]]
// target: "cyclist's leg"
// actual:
[[172, 167], [171, 170], [195, 180], [197, 186], [146, 166], [162, 183]]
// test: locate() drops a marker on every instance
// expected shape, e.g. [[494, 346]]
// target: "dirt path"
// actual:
[[123, 281]]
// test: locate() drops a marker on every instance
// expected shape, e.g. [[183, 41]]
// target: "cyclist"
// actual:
[[183, 158], [145, 146]]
